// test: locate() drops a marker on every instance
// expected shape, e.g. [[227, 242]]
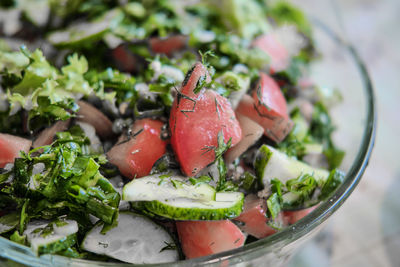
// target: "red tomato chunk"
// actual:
[[135, 157], [202, 238], [10, 146], [267, 107], [254, 218], [275, 50], [196, 120]]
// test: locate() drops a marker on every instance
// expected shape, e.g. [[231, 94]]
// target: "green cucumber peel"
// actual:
[[227, 205]]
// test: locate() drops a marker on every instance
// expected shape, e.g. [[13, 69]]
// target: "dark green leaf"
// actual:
[[16, 237], [199, 180], [274, 205], [9, 221], [335, 179]]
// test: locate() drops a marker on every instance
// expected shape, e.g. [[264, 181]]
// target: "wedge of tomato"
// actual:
[[292, 216], [253, 218], [202, 238], [135, 156], [275, 50], [196, 119], [168, 45], [10, 146], [267, 107], [124, 59]]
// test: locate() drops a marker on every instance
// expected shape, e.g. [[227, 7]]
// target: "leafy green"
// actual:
[[8, 222], [284, 12], [312, 137], [13, 62], [274, 206], [335, 179], [239, 51], [64, 179], [248, 182], [321, 130], [295, 143], [233, 81], [16, 237], [165, 77], [7, 3], [46, 93], [301, 192], [199, 180], [291, 75], [243, 17], [122, 85], [71, 253], [223, 184]]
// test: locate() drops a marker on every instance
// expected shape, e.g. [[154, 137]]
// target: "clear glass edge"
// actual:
[[24, 255]]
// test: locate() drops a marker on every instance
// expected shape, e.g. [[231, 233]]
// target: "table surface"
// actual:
[[366, 229]]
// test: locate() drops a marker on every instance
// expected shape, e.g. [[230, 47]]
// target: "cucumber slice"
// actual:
[[79, 33], [136, 239], [227, 205], [161, 187], [85, 31], [45, 237], [271, 163]]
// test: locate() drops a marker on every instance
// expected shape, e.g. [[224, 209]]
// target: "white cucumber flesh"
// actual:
[[271, 163], [50, 237], [136, 239], [166, 186]]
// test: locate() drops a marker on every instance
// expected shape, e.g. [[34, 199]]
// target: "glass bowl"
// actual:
[[355, 118]]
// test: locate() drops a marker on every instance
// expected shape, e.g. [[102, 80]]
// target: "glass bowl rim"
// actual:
[[287, 235]]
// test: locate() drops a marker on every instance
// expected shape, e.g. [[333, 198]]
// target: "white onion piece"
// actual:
[[91, 115], [90, 132], [251, 132], [46, 137]]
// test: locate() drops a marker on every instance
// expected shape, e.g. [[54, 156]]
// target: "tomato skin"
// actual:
[[254, 217], [192, 77], [10, 146], [196, 122], [136, 157], [267, 107], [202, 238], [293, 216], [124, 59], [168, 45], [269, 97], [277, 52]]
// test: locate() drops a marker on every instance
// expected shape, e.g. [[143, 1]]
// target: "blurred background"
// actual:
[[366, 229]]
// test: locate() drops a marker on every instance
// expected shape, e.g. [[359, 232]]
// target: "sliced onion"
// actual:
[[251, 132], [89, 114], [46, 137]]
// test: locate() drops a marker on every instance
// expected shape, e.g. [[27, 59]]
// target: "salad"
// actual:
[[156, 131]]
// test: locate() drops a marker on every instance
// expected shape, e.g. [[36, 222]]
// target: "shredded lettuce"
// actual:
[[321, 130], [64, 178], [284, 12], [243, 17], [44, 91]]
